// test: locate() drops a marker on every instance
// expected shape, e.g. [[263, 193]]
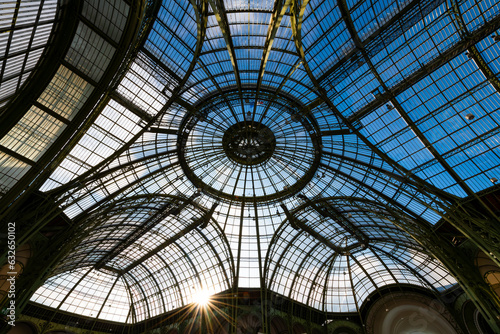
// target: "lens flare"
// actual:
[[202, 298]]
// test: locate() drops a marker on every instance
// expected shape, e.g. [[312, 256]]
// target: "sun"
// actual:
[[202, 298]]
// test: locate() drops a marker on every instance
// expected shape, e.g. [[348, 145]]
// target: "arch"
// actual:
[[406, 312], [489, 271], [474, 320], [321, 226]]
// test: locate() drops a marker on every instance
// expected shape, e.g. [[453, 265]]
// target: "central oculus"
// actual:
[[249, 143], [265, 154]]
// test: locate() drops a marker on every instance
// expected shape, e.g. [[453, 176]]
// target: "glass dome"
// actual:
[[279, 145]]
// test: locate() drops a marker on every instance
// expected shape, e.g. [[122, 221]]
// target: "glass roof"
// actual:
[[25, 28], [278, 145]]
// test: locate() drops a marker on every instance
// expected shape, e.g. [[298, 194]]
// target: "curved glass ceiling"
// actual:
[[261, 152], [280, 145], [25, 28]]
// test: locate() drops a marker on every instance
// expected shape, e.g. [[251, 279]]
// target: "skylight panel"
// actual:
[[66, 93], [89, 52], [11, 171], [110, 16], [33, 134], [24, 37], [475, 13]]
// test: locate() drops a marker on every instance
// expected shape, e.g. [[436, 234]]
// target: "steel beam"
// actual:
[[79, 182], [297, 15], [201, 19], [172, 132], [357, 41], [407, 266], [387, 33], [426, 69], [299, 224], [157, 249], [161, 64], [170, 208], [145, 298], [467, 230], [356, 302], [279, 11], [247, 86], [125, 102], [20, 157], [326, 210], [337, 132], [247, 47], [220, 14]]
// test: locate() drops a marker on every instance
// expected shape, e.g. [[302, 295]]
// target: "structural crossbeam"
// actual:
[[326, 210], [279, 11], [299, 224], [220, 14], [161, 64], [426, 69], [65, 190], [160, 247], [163, 130], [380, 38], [169, 208], [249, 47], [395, 103], [131, 106]]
